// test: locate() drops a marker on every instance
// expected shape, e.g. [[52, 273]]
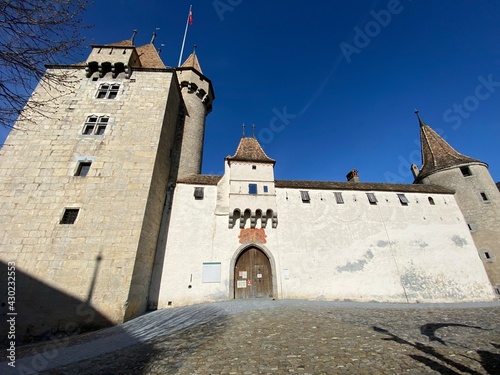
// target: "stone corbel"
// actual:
[[253, 220], [275, 219], [264, 221]]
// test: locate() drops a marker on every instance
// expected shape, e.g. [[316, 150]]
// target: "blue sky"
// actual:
[[331, 85]]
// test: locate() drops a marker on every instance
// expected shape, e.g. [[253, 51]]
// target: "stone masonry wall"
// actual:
[[482, 216], [92, 260]]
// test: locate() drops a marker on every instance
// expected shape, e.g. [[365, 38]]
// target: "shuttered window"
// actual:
[[305, 196], [402, 198], [339, 198], [372, 198], [199, 193]]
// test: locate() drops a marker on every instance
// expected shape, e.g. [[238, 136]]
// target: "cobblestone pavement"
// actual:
[[287, 337]]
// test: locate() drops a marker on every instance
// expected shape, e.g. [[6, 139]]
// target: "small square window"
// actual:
[[69, 216], [254, 167], [339, 198], [402, 198], [431, 201], [465, 171], [484, 197], [199, 193], [305, 196], [372, 198], [83, 168], [265, 189], [252, 188]]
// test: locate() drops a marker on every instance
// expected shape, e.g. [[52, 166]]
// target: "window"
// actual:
[[372, 198], [305, 196], [431, 201], [95, 125], [402, 198], [484, 197], [254, 167], [266, 189], [199, 193], [69, 216], [83, 168], [107, 91], [339, 198], [465, 171], [252, 188]]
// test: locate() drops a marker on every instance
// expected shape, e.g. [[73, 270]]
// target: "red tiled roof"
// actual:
[[148, 55], [250, 150], [437, 154], [192, 62]]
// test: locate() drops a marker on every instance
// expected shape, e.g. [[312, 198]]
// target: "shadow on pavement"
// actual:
[[439, 362]]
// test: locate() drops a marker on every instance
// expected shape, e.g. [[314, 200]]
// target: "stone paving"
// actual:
[[285, 337]]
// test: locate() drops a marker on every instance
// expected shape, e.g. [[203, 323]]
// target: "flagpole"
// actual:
[[185, 33]]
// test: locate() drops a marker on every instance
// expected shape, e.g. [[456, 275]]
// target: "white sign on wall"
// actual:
[[211, 272]]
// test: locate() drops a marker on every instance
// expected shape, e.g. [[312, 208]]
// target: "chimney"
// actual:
[[353, 176]]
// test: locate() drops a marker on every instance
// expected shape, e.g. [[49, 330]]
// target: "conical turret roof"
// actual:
[[437, 154], [250, 150], [192, 62]]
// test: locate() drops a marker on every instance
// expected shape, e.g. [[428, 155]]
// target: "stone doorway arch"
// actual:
[[253, 273]]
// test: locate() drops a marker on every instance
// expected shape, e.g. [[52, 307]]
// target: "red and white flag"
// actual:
[[190, 16]]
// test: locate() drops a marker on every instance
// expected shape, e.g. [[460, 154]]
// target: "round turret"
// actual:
[[198, 95], [475, 192]]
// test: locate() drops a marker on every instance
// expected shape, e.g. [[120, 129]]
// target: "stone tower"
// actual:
[[475, 191], [83, 189], [198, 95]]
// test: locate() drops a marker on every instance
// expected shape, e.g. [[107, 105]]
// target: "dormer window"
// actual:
[[108, 91]]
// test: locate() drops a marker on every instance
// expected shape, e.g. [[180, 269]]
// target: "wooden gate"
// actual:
[[252, 275]]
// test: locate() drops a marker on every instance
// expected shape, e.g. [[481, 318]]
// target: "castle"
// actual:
[[105, 213]]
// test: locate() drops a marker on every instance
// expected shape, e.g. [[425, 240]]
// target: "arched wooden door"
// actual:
[[252, 275]]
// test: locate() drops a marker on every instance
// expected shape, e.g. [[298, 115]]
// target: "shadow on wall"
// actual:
[[41, 311], [438, 362]]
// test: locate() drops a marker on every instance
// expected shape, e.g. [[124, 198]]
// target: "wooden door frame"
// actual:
[[269, 256]]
